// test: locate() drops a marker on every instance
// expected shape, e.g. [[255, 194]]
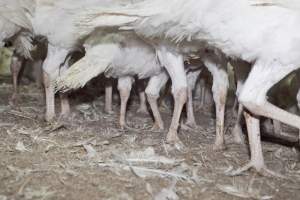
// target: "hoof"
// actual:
[[142, 110], [172, 137], [262, 170], [50, 118], [219, 147], [109, 111], [190, 126], [238, 136]]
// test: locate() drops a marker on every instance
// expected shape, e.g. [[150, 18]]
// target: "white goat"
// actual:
[[54, 20], [124, 56], [214, 23], [171, 57], [19, 60]]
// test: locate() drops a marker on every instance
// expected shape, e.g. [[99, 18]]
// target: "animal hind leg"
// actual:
[[242, 70], [237, 131], [55, 57], [124, 87], [217, 66], [108, 97], [153, 88], [257, 159], [15, 68], [142, 97], [254, 93], [191, 81], [50, 97], [173, 63]]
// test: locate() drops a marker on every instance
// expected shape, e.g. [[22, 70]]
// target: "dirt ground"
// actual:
[[88, 157]]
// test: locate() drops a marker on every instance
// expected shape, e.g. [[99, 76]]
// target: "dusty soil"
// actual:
[[88, 157]]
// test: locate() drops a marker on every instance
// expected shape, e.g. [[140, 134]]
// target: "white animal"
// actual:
[[171, 56], [55, 20], [140, 87], [120, 56], [20, 60], [270, 40], [123, 56]]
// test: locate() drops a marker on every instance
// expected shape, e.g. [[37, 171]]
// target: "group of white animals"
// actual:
[[152, 39]]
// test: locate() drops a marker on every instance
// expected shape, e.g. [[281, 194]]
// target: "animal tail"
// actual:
[[95, 62]]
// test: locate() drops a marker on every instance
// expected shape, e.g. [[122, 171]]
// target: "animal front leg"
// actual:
[[173, 63], [237, 131], [65, 105], [142, 97], [124, 87], [50, 97], [51, 66], [108, 97], [64, 99], [191, 81], [257, 159], [217, 66], [180, 98], [202, 86], [241, 69], [15, 67], [38, 73], [153, 88], [143, 105]]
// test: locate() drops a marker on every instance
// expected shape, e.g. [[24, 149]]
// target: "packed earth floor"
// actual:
[[88, 157]]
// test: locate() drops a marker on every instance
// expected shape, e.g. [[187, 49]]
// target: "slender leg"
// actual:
[[65, 105], [143, 105], [253, 96], [241, 69], [38, 73], [15, 67], [164, 101], [140, 87], [174, 65], [55, 57], [217, 67], [234, 107], [154, 86], [180, 97], [108, 97], [124, 87], [191, 81], [202, 92], [64, 99], [50, 97], [237, 129], [257, 159]]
